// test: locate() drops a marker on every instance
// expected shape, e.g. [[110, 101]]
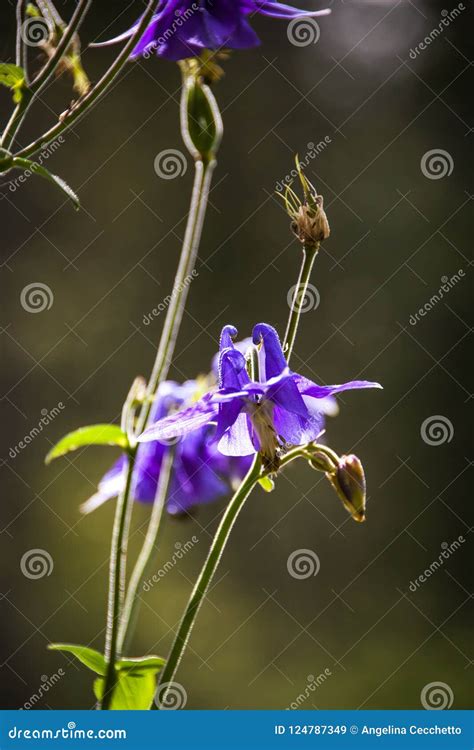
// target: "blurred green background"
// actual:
[[261, 635]]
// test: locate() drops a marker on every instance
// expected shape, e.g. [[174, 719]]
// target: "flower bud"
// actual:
[[321, 462], [201, 121], [6, 160], [308, 219], [349, 483]]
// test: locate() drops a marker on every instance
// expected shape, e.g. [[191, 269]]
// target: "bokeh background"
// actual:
[[262, 637]]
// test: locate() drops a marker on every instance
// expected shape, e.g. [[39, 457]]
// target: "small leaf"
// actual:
[[141, 663], [13, 77], [36, 168], [92, 659], [267, 484], [134, 691], [97, 434]]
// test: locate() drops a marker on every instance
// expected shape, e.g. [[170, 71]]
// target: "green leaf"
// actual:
[[141, 663], [13, 77], [134, 691], [36, 168], [267, 484], [92, 659], [97, 434]]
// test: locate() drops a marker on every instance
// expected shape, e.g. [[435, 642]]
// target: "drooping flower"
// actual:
[[182, 29], [279, 409], [200, 473]]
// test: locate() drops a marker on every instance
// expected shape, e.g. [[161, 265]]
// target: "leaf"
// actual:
[[91, 658], [97, 434], [141, 663], [134, 691], [13, 77], [35, 168], [267, 484]]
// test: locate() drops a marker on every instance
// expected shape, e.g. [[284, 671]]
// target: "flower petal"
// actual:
[[281, 10], [237, 440], [271, 357], [308, 388], [201, 413]]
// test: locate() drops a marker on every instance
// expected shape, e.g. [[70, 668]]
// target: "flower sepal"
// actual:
[[201, 121]]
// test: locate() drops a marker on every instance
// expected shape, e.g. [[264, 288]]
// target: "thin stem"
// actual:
[[174, 314], [131, 600], [205, 578], [117, 571], [101, 87], [36, 86], [309, 255], [21, 56]]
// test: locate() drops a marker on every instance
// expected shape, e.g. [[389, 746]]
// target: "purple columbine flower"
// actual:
[[184, 28], [200, 473], [279, 409]]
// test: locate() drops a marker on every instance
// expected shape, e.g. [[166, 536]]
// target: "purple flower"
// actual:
[[184, 28], [279, 409], [200, 473]]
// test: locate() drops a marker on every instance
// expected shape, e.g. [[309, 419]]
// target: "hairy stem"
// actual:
[[146, 554], [309, 255], [174, 314], [117, 570], [100, 88], [35, 87], [205, 577]]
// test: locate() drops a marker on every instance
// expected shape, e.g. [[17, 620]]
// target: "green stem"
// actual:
[[20, 47], [130, 607], [31, 92], [174, 314], [117, 572], [309, 255], [205, 578], [101, 87]]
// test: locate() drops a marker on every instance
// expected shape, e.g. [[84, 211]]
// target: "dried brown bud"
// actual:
[[349, 483]]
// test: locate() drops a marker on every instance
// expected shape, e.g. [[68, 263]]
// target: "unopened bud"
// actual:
[[322, 462], [201, 121], [308, 219], [349, 483]]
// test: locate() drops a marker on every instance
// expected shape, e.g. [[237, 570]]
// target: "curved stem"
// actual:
[[205, 577], [117, 571], [131, 600], [101, 87], [36, 86], [309, 255], [174, 314]]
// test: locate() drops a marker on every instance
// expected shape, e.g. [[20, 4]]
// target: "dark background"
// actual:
[[395, 233]]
